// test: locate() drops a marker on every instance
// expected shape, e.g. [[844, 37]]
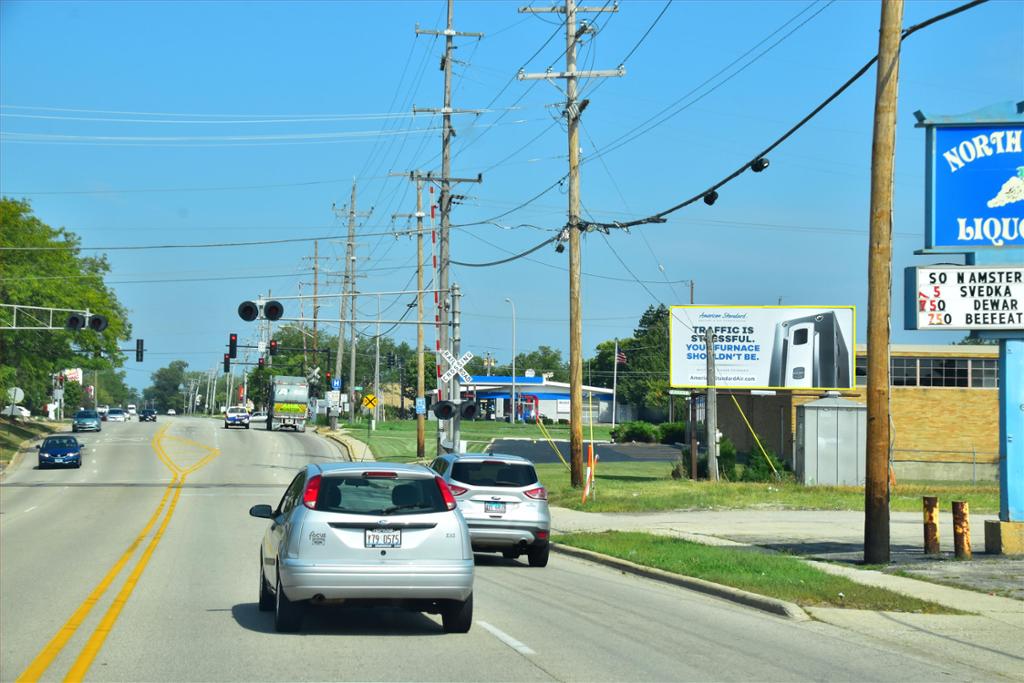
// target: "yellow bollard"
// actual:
[[962, 530], [931, 525]]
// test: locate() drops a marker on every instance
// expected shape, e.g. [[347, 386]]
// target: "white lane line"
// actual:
[[521, 648], [31, 508]]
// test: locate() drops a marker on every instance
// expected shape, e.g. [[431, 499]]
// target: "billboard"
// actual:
[[975, 181], [964, 298], [764, 347]]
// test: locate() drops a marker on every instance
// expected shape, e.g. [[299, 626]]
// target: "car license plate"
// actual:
[[383, 538], [498, 508]]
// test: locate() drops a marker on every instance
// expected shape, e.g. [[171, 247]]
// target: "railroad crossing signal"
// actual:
[[455, 366], [369, 401]]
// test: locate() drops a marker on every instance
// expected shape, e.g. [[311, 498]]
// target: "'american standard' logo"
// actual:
[[994, 230]]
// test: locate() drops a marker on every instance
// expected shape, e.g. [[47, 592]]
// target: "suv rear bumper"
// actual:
[[304, 580], [500, 534]]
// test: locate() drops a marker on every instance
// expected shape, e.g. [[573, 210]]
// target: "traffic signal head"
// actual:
[[327, 380], [469, 410], [232, 345], [97, 323], [273, 310], [273, 347], [139, 349], [75, 321], [227, 363], [248, 311], [444, 410], [262, 363]]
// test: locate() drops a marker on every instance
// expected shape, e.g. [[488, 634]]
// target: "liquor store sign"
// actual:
[[964, 298], [975, 181]]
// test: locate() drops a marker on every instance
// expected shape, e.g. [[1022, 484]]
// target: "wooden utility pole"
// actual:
[[572, 115], [316, 293], [350, 269], [445, 201], [876, 485], [711, 409]]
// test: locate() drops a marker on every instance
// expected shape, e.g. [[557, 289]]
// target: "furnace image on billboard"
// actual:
[[810, 352]]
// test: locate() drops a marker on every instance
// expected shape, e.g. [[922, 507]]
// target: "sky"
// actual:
[[149, 123]]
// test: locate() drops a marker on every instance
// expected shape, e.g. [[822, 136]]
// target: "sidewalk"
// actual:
[[990, 639], [356, 449]]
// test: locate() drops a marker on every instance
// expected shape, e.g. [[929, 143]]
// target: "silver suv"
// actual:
[[504, 504], [366, 534]]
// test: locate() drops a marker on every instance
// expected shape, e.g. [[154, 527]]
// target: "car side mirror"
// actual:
[[264, 511]]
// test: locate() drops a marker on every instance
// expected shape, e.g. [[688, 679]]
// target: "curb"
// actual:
[[339, 444], [781, 608]]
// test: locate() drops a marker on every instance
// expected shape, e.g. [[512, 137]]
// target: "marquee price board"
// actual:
[[964, 298]]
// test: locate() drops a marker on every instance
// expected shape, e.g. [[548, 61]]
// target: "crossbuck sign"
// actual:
[[455, 366]]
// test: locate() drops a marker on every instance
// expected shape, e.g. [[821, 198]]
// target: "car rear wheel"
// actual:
[[246, 426], [287, 614], [266, 597], [539, 555], [457, 617]]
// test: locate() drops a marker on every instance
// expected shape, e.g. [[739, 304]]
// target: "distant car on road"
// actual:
[[132, 411], [237, 416], [17, 411], [147, 415], [86, 421], [505, 505], [370, 534], [117, 415], [258, 416], [60, 450], [172, 411]]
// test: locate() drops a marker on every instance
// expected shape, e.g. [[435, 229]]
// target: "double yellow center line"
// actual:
[[92, 648]]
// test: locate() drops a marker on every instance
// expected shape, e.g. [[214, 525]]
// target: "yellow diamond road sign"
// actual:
[[369, 401]]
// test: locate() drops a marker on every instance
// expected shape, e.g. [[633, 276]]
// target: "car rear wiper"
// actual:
[[395, 508]]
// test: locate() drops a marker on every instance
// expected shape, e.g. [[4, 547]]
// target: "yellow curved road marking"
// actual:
[[95, 643]]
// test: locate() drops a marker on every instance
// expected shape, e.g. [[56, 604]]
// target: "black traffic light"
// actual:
[[227, 363], [97, 323], [139, 349], [273, 347], [327, 380], [444, 410], [273, 310], [469, 410], [248, 311], [75, 321], [262, 362], [232, 345]]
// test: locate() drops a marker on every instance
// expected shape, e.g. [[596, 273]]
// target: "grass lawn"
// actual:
[[777, 576], [395, 440], [14, 432], [648, 486]]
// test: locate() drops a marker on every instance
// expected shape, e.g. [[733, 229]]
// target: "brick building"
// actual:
[[945, 412]]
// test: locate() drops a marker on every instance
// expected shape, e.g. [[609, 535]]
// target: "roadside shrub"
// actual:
[[758, 469], [727, 459], [641, 431], [673, 432]]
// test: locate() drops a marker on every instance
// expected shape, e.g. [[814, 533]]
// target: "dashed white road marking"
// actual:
[[31, 508], [519, 647]]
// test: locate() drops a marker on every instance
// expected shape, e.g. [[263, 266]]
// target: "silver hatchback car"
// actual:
[[504, 504], [366, 534]]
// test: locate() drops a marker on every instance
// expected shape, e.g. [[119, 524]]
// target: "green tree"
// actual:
[[165, 390], [53, 274]]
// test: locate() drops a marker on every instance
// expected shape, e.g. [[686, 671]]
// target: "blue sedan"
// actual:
[[60, 450]]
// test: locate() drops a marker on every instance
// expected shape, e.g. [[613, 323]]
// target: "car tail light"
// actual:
[[539, 493], [380, 475], [446, 493], [312, 491], [456, 490], [542, 535]]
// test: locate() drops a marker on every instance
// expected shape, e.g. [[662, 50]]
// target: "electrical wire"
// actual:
[[660, 216]]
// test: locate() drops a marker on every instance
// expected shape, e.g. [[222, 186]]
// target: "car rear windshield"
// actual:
[[494, 473], [360, 495], [85, 413]]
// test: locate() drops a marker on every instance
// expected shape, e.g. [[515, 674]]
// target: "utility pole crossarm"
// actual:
[[547, 75], [446, 110], [447, 32], [562, 10]]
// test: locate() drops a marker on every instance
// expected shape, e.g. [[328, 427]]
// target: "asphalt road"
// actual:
[[113, 572]]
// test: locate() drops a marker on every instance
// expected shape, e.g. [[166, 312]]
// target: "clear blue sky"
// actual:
[[796, 231]]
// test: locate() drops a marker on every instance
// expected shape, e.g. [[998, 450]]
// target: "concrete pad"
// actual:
[[1004, 538]]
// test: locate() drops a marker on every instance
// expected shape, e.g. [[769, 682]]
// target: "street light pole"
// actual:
[[513, 394]]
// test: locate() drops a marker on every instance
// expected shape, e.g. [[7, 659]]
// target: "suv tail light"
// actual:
[[446, 493], [456, 490], [309, 496], [539, 493]]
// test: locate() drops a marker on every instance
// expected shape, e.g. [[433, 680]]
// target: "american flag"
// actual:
[[620, 357]]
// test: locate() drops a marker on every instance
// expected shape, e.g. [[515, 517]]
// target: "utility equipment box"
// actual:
[[831, 434]]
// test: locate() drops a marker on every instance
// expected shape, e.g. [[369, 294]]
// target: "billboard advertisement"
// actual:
[[964, 298], [975, 177], [764, 347]]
